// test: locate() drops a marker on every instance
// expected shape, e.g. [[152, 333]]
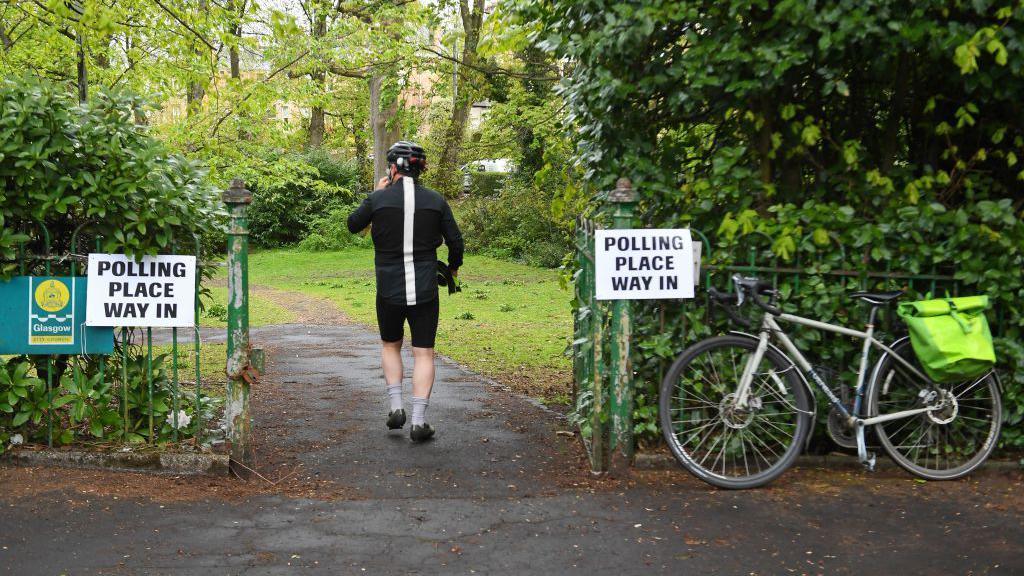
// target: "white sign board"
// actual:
[[644, 264], [158, 291]]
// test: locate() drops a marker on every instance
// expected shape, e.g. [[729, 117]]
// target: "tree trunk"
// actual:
[[316, 126], [5, 39], [197, 89], [316, 117], [359, 140], [236, 31], [83, 74], [139, 111], [447, 175], [383, 135]]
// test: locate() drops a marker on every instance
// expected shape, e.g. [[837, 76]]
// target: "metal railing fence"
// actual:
[[35, 255], [596, 338]]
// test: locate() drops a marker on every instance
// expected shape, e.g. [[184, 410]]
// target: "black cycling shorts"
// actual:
[[422, 322]]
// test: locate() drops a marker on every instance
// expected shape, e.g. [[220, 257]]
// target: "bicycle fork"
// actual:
[[770, 326]]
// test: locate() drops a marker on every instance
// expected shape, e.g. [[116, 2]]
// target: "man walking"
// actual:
[[409, 223]]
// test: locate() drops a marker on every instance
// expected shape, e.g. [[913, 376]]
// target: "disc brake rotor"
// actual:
[[735, 417], [948, 410]]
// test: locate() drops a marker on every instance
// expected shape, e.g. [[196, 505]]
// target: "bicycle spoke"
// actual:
[[712, 435], [712, 447]]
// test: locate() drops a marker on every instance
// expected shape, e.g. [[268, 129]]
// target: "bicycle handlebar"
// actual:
[[724, 301], [753, 287], [773, 310]]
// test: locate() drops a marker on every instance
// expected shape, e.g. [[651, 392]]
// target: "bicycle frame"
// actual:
[[770, 327]]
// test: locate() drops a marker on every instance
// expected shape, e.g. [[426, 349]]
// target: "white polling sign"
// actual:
[[644, 264], [156, 291]]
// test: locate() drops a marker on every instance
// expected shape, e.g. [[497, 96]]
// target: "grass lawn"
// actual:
[[212, 365], [511, 321], [262, 310]]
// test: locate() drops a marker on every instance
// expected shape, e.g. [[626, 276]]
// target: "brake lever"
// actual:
[[717, 300]]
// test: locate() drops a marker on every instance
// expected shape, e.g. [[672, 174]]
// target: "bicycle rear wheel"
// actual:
[[944, 444], [711, 436]]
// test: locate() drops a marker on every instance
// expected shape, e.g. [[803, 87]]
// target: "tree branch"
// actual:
[[186, 25], [494, 70], [248, 95]]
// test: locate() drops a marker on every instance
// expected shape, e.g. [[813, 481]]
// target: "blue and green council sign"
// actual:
[[46, 315]]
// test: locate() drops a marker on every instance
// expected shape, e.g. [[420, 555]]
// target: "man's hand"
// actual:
[[383, 183], [455, 272]]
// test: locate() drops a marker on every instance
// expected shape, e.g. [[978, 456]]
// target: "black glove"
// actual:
[[446, 278]]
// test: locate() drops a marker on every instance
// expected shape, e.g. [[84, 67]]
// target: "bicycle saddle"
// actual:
[[877, 298]]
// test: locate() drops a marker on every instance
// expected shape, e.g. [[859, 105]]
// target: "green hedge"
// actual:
[[293, 192], [843, 135], [517, 224], [66, 167], [486, 184]]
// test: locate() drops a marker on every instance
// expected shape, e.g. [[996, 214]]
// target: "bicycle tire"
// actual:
[[687, 455], [979, 417]]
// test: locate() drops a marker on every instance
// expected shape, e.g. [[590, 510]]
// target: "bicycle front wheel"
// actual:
[[713, 437], [943, 444]]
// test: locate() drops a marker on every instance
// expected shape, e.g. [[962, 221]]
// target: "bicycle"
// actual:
[[736, 410]]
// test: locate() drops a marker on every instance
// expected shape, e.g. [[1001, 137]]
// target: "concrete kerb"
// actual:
[[663, 461], [154, 462]]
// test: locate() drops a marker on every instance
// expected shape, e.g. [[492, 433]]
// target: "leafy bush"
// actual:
[[874, 135], [87, 404], [330, 232], [293, 191], [67, 165], [517, 224], [217, 311], [486, 184]]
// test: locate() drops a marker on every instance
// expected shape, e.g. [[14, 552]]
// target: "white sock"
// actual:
[[419, 409], [395, 396]]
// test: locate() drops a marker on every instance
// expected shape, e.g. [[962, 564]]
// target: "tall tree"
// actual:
[[385, 130], [471, 18]]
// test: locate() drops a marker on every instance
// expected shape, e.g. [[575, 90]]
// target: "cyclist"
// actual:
[[409, 223]]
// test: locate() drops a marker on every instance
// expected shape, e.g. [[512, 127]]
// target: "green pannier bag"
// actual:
[[950, 337]]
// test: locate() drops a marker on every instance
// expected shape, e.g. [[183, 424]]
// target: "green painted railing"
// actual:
[[602, 349], [603, 380], [35, 256]]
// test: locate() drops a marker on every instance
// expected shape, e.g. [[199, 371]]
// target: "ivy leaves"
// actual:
[[856, 135]]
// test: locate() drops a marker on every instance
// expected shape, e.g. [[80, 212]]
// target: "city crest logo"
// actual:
[[51, 317]]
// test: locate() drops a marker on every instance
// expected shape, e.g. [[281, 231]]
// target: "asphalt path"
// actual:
[[499, 491]]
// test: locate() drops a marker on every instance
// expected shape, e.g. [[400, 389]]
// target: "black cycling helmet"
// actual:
[[408, 157]]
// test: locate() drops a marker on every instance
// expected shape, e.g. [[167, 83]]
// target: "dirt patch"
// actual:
[[307, 309], [1002, 492], [545, 384]]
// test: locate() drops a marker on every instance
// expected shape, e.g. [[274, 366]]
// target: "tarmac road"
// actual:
[[498, 492]]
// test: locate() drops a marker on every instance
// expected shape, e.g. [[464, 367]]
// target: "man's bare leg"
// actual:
[[422, 383], [391, 362], [422, 372]]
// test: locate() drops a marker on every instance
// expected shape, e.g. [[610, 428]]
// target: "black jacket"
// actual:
[[409, 223]]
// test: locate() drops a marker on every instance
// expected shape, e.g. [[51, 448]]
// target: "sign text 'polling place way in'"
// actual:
[[157, 291], [644, 264]]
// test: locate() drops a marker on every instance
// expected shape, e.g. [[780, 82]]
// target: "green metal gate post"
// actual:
[[621, 334], [236, 410]]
